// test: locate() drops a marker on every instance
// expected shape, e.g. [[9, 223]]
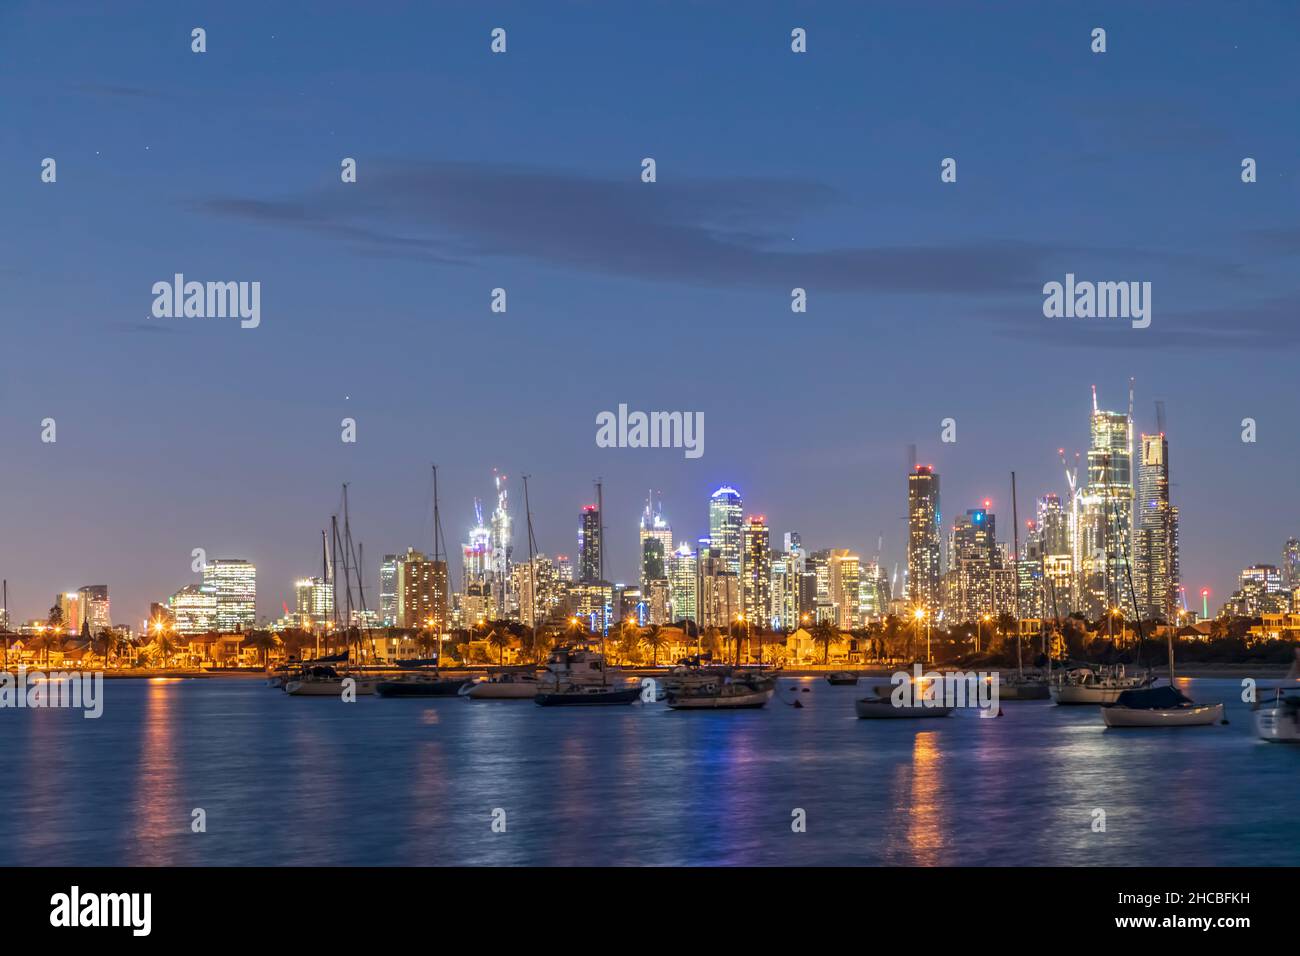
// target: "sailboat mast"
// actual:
[[532, 568], [1015, 570]]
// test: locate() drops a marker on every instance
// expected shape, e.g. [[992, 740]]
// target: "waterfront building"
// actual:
[[924, 570], [234, 582], [726, 527]]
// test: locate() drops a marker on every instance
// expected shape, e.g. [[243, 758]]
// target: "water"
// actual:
[[318, 782]]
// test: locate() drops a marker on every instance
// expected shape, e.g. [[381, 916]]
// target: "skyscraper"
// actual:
[[388, 591], [93, 608], [923, 519], [845, 588], [1155, 552], [1105, 519], [589, 545], [656, 539], [756, 569], [194, 609], [973, 560], [422, 592], [502, 552], [725, 527], [683, 583], [234, 582], [315, 601]]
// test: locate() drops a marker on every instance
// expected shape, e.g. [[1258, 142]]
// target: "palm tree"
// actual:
[[54, 632], [109, 641], [824, 633], [654, 638], [500, 639]]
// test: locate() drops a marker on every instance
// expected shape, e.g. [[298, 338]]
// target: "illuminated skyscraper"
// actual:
[[845, 588], [973, 560], [725, 527], [589, 545], [477, 552], [1155, 557], [1105, 518], [756, 569], [93, 608], [234, 582], [194, 609], [388, 591], [656, 545], [564, 568], [923, 520], [315, 602], [422, 598], [683, 583], [1291, 565], [502, 553]]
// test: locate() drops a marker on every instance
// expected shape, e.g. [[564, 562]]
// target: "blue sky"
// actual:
[[522, 171]]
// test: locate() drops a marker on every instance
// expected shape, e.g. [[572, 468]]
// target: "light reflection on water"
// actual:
[[315, 781]]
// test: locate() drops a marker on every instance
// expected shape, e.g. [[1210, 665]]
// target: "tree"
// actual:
[[500, 639], [654, 639], [109, 640], [825, 633]]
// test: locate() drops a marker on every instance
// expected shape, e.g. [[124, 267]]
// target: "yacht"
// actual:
[[842, 678], [737, 691], [502, 685], [428, 684], [1277, 718], [1084, 685], [578, 676], [325, 681], [1164, 706]]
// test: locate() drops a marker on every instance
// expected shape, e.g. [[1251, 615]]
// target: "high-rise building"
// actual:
[[756, 569], [1291, 565], [93, 608], [1260, 591], [422, 598], [564, 568], [69, 605], [683, 570], [537, 591], [845, 588], [315, 602], [973, 560], [923, 521], [234, 582], [502, 553], [387, 590], [1155, 552], [656, 538], [1105, 540], [719, 596], [726, 524], [194, 609], [478, 557], [589, 545]]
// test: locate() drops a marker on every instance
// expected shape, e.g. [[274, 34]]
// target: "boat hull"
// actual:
[[842, 680], [417, 688], [1278, 725], [1201, 715], [1029, 690], [603, 698], [750, 701], [1084, 694], [484, 690], [326, 688], [883, 709]]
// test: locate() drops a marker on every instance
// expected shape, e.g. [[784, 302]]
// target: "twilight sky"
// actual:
[[522, 171]]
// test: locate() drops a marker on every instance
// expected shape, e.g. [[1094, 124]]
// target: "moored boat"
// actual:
[[1164, 706], [732, 692], [883, 707], [842, 678], [421, 685], [326, 682], [1085, 685], [588, 696], [502, 685]]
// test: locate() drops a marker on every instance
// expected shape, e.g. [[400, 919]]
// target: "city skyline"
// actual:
[[924, 298]]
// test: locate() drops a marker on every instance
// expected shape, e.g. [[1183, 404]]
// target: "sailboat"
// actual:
[[426, 681], [1157, 706], [1277, 710], [1019, 686], [577, 676]]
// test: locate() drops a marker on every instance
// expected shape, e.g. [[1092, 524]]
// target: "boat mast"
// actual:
[[325, 577], [1015, 566], [600, 563], [532, 568]]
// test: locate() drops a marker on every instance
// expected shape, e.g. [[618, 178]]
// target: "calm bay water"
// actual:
[[314, 781]]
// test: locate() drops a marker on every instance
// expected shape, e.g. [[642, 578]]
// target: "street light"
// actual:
[[920, 616], [984, 618]]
